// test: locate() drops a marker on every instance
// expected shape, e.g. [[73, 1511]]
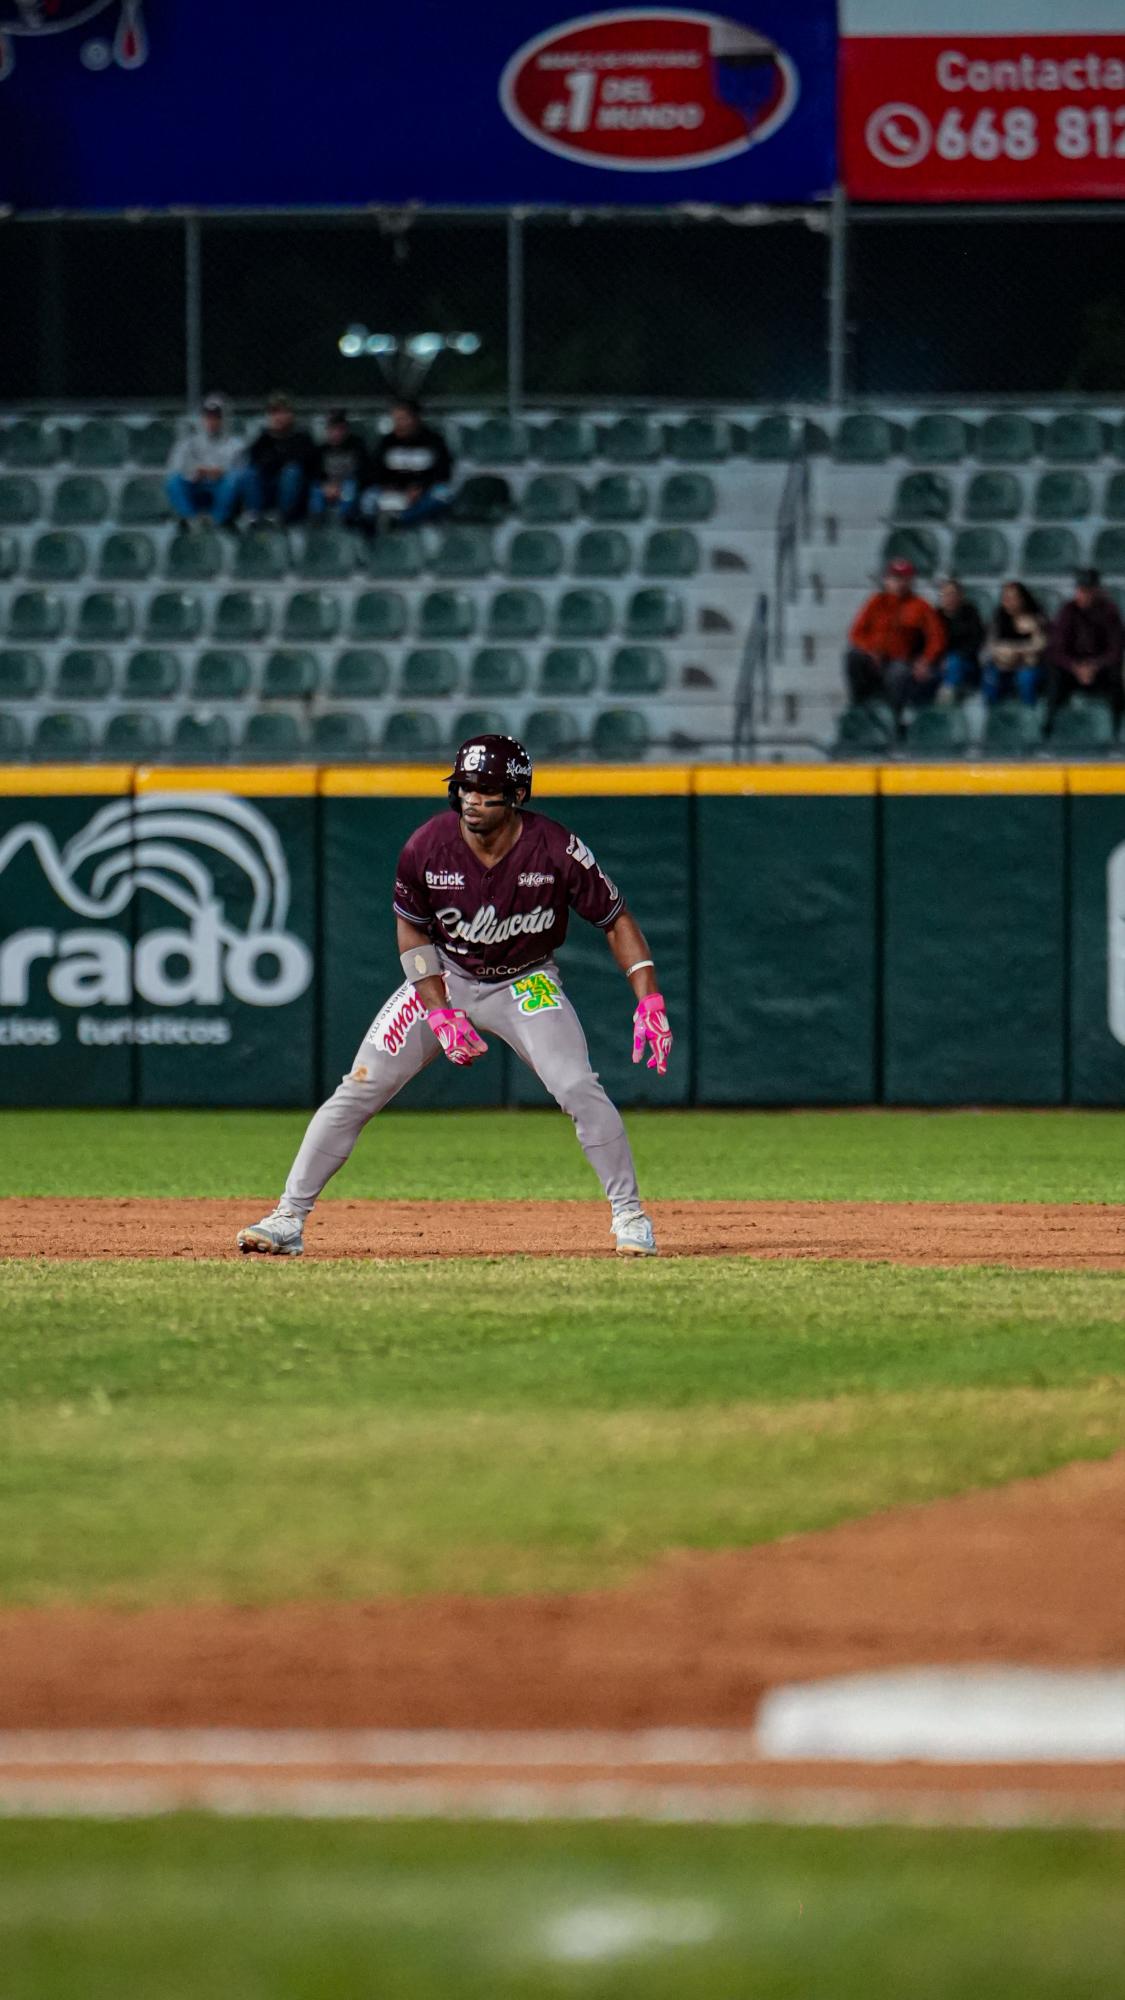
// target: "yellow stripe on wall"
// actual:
[[918, 780], [750, 780], [1088, 778], [551, 780], [39, 780], [263, 781]]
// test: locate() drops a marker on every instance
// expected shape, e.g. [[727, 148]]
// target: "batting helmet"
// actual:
[[490, 764]]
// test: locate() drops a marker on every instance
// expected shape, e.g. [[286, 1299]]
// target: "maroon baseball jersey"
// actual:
[[496, 923]]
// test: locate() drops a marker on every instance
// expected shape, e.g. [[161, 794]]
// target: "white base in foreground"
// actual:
[[950, 1715]]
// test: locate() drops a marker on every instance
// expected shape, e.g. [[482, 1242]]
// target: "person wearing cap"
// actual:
[[203, 474], [340, 471], [411, 471], [279, 465], [1086, 646], [896, 644]]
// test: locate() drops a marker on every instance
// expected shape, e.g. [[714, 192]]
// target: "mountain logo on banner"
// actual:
[[649, 89], [128, 47]]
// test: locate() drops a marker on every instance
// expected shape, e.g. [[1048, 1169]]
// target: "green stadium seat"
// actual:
[[397, 557], [240, 617], [57, 556], [132, 738], [700, 440], [993, 496], [151, 674], [620, 734], [142, 503], [152, 443], [567, 671], [172, 617], [484, 498], [497, 671], [360, 673], [446, 614], [1011, 730], [81, 500], [632, 441], [498, 441], [1063, 496], [411, 733], [1048, 551], [62, 739], [13, 743], [201, 739], [938, 438], [341, 737], [936, 732], [637, 670], [565, 441], [686, 498], [1113, 503], [378, 615], [1074, 437], [104, 616], [602, 552], [271, 739], [221, 674], [261, 556], [22, 674], [476, 722], [28, 444], [1109, 551], [980, 552], [865, 729], [86, 675], [327, 554], [194, 558], [428, 674], [862, 438], [923, 496], [101, 442], [654, 613], [127, 555], [311, 614], [774, 438], [291, 675], [584, 613], [551, 497], [1083, 727], [19, 500], [9, 555], [670, 552], [1007, 437], [515, 615], [618, 497], [534, 552], [36, 615], [550, 733], [464, 552]]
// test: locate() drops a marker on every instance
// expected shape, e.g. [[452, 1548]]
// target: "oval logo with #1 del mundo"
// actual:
[[649, 89]]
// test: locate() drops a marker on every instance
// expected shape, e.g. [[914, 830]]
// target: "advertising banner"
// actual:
[[988, 100], [110, 104], [1097, 935]]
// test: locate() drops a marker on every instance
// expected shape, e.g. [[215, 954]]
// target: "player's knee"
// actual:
[[581, 1095]]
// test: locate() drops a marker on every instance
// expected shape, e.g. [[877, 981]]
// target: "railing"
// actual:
[[792, 527], [752, 698]]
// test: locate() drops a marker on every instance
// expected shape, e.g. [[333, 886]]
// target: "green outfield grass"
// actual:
[[187, 1909], [727, 1155]]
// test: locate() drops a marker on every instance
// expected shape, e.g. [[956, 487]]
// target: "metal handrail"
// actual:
[[752, 696], [791, 528]]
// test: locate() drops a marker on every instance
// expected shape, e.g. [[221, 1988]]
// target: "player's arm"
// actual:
[[452, 1026], [629, 946]]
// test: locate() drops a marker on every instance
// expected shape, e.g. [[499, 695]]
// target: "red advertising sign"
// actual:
[[982, 117]]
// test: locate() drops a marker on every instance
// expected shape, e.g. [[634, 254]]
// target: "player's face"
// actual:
[[482, 812]]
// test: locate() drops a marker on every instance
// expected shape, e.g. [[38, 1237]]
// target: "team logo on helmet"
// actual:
[[35, 18]]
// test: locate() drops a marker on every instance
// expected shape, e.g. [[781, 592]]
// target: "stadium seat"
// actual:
[[142, 503], [464, 552], [618, 497], [686, 498], [1062, 496], [194, 558], [497, 671], [271, 738], [551, 497], [670, 552], [938, 438], [19, 501], [865, 729], [221, 674], [81, 501], [637, 670], [126, 556], [584, 613], [22, 674], [1074, 437], [700, 440], [62, 739], [917, 545], [620, 733], [378, 615], [936, 732], [327, 554], [1109, 551], [632, 441], [57, 556], [151, 674], [1083, 727], [261, 556], [201, 739], [534, 552], [29, 445], [567, 671], [103, 617], [515, 615], [101, 442], [1049, 551], [239, 617], [132, 737], [360, 673], [653, 613], [773, 438], [980, 552], [498, 441], [341, 736], [1010, 730], [428, 673], [411, 732], [602, 552], [446, 614], [565, 441], [1007, 437], [1113, 503], [396, 558], [484, 498], [993, 496], [36, 615], [475, 722], [291, 674], [86, 675], [13, 743], [173, 616], [863, 438], [9, 555], [311, 614], [152, 443], [922, 496], [550, 733]]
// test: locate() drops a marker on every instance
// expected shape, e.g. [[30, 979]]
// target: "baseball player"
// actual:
[[482, 899]]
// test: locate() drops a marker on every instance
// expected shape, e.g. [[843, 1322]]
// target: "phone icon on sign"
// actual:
[[899, 135]]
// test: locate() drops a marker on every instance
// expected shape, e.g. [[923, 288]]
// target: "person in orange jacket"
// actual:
[[896, 644]]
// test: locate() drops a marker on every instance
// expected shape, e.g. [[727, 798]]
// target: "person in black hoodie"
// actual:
[[341, 470], [964, 637], [411, 472], [279, 464]]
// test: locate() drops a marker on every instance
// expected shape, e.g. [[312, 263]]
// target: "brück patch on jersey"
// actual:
[[535, 993]]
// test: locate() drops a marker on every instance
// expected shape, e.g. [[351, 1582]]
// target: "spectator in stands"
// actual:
[[411, 472], [1017, 641], [964, 636], [280, 465], [895, 644], [1086, 646], [203, 477], [340, 471]]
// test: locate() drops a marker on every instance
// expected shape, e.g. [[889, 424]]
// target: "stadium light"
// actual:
[[405, 359]]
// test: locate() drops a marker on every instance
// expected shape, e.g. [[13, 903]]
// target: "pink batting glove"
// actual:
[[457, 1035], [650, 1024]]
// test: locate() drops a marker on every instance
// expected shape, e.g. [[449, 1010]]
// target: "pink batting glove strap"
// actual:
[[650, 1027], [457, 1035]]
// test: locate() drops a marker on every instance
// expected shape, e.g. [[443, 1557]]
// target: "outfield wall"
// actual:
[[829, 934]]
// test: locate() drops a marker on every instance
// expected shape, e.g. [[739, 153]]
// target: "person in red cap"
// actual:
[[895, 644]]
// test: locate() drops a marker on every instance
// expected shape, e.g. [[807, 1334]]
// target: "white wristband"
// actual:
[[639, 966]]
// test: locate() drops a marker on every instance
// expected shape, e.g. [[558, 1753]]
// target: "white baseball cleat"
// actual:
[[279, 1234], [634, 1234]]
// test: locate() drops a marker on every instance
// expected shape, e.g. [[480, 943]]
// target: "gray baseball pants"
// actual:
[[534, 1017]]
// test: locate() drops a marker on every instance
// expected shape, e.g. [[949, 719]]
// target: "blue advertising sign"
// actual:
[[111, 104]]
